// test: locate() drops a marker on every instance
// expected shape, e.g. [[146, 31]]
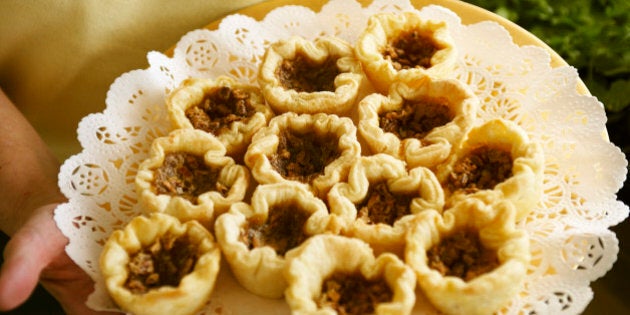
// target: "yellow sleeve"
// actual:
[[59, 57]]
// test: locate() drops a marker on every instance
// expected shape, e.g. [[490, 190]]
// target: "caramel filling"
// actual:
[[415, 119], [382, 206], [482, 168], [411, 49], [219, 109], [186, 175], [462, 255], [164, 263], [353, 294], [303, 157], [283, 229], [304, 75]]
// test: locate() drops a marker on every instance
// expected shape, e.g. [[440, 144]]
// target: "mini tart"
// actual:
[[381, 198], [496, 161], [398, 47], [229, 110], [187, 175], [419, 121], [136, 260], [313, 150], [256, 237], [301, 76], [470, 261], [330, 273]]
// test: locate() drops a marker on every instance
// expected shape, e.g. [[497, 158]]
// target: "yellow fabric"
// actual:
[[59, 57]]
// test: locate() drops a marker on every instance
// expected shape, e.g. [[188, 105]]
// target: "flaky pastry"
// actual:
[[419, 121], [399, 47], [188, 175], [157, 265], [302, 76], [472, 260], [231, 111], [313, 150], [332, 274], [496, 161], [256, 237], [381, 198]]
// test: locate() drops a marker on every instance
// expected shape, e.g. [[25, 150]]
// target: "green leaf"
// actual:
[[616, 98]]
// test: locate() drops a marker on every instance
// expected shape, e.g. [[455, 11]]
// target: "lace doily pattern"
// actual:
[[571, 244]]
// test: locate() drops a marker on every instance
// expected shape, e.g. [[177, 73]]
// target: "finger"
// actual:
[[72, 293], [17, 277], [29, 251], [62, 278], [36, 254], [68, 284]]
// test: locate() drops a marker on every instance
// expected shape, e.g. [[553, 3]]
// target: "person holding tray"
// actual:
[[57, 60]]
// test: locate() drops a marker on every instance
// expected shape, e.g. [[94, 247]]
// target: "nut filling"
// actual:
[[164, 263], [482, 168], [283, 229], [303, 157], [462, 255], [219, 109], [415, 119], [411, 49], [382, 206], [304, 75], [353, 294], [186, 175]]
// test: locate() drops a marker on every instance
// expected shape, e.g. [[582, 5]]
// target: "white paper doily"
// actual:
[[571, 243]]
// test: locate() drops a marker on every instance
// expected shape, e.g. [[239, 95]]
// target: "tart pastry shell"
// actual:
[[488, 292], [194, 289], [260, 269], [348, 83], [384, 27], [209, 204], [323, 255]]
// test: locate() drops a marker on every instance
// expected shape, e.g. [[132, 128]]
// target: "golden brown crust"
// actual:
[[436, 143], [523, 187], [495, 227], [324, 255], [234, 178], [339, 130], [384, 28], [234, 133], [337, 100], [259, 268], [418, 187], [193, 290]]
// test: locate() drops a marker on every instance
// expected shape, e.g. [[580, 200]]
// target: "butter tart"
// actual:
[[256, 237], [313, 150], [495, 161], [469, 260], [381, 198], [229, 110], [401, 46], [302, 76], [158, 265], [419, 121], [332, 274], [188, 175]]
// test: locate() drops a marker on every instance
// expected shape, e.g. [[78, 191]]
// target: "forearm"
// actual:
[[28, 170]]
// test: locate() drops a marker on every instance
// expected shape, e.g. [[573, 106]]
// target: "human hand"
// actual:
[[35, 254], [28, 197]]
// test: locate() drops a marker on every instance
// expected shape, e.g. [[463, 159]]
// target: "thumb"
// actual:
[[27, 253]]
